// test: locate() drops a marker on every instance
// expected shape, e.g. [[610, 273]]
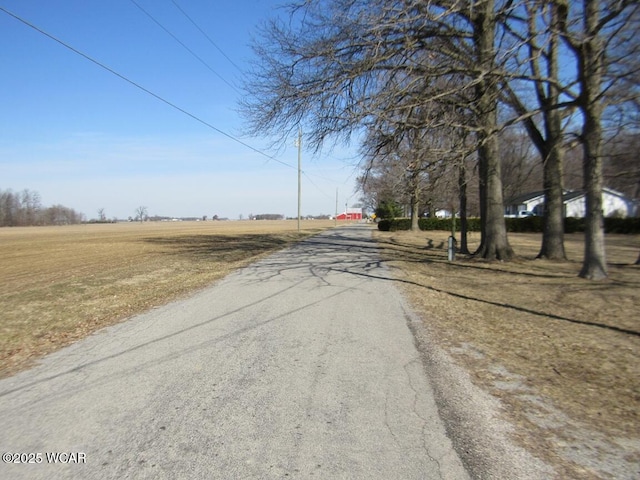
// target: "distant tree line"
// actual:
[[18, 209]]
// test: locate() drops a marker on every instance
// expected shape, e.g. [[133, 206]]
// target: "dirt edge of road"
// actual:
[[472, 417], [555, 355]]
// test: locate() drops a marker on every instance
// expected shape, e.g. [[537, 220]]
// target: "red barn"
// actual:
[[351, 214]]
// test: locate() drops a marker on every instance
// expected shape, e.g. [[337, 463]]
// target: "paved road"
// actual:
[[299, 366]]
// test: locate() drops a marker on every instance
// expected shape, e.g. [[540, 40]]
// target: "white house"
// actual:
[[531, 202], [614, 204]]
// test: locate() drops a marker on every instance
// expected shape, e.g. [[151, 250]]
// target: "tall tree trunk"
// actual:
[[482, 202], [594, 266], [494, 244], [415, 212], [553, 234], [414, 184], [553, 153], [591, 66], [462, 186]]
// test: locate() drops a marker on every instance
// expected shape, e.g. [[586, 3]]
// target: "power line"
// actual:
[[195, 55], [167, 102], [308, 176], [317, 187], [206, 36], [137, 85]]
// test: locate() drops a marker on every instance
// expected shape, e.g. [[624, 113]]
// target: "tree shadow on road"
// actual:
[[359, 255], [211, 246]]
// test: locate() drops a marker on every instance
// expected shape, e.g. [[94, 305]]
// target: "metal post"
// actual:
[[335, 219], [451, 249]]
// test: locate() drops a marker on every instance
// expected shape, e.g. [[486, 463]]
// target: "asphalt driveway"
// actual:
[[301, 365]]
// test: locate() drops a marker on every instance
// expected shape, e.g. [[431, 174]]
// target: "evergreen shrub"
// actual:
[[514, 225]]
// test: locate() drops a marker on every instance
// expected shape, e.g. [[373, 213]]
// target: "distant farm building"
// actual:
[[351, 214]]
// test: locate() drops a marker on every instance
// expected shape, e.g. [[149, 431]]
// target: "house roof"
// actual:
[[611, 191], [567, 197], [524, 198]]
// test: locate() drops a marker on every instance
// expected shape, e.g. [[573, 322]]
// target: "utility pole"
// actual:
[[299, 174], [335, 219]]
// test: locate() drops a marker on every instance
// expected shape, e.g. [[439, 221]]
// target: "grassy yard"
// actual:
[[561, 353]]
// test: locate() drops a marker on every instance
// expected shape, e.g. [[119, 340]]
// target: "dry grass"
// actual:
[[562, 353], [58, 284]]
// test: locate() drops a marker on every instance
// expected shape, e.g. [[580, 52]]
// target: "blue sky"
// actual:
[[87, 139]]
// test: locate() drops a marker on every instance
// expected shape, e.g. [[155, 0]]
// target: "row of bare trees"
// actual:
[[428, 86], [25, 209], [521, 170]]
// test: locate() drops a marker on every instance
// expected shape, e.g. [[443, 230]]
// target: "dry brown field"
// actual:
[[561, 353], [59, 284]]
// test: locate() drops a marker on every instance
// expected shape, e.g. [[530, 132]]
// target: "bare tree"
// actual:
[[535, 27], [494, 243], [602, 34], [463, 205], [25, 208], [572, 172], [414, 161], [9, 207], [621, 166], [599, 38], [521, 170], [61, 215], [101, 215], [30, 207], [341, 65], [141, 214]]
